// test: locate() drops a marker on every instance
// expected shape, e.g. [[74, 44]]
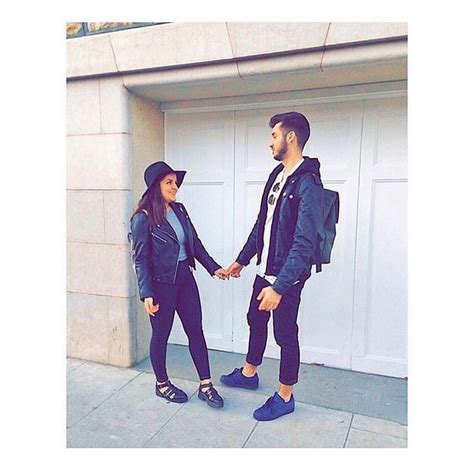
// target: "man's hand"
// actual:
[[150, 308], [222, 274], [269, 299], [234, 270]]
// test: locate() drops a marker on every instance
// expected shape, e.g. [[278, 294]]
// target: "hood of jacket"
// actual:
[[309, 166]]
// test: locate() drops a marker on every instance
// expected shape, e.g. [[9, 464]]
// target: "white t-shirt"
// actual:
[[281, 178]]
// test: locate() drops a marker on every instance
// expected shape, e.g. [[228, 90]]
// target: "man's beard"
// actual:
[[280, 156]]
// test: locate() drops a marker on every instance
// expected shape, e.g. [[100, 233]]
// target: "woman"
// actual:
[[164, 246]]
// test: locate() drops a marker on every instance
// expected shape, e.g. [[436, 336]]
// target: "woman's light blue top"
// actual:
[[178, 228]]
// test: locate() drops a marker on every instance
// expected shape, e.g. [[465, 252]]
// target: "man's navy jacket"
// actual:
[[296, 227]]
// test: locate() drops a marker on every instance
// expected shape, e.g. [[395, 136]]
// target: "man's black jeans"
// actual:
[[285, 330], [182, 297]]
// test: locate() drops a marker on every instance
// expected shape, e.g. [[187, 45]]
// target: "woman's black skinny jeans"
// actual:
[[182, 297]]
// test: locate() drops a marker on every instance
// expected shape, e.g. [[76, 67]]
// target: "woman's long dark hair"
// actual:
[[154, 204]]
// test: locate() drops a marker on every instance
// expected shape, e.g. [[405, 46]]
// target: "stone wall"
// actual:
[[111, 137], [100, 292]]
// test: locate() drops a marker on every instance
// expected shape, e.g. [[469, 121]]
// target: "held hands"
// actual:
[[221, 274], [269, 299], [150, 308], [233, 271]]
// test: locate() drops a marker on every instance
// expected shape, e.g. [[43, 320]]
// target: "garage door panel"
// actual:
[[325, 312], [326, 309], [330, 138], [254, 160], [207, 214], [242, 293], [198, 139], [246, 211], [252, 194], [380, 303], [326, 287], [253, 164], [202, 144], [257, 155], [335, 136], [386, 325], [207, 144], [391, 133]]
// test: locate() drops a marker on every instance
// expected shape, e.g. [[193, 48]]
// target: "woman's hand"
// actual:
[[150, 308], [221, 274]]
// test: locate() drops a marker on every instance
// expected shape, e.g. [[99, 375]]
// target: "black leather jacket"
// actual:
[[296, 227], [155, 250]]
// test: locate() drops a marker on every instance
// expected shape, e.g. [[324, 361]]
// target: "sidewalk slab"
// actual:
[[200, 426], [307, 427], [137, 407], [379, 426], [366, 439], [90, 384], [129, 418], [98, 435]]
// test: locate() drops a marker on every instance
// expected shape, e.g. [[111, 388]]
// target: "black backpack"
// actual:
[[322, 255]]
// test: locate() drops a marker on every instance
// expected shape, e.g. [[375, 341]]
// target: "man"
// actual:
[[284, 238]]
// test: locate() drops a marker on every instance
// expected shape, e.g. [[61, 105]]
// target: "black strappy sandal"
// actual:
[[210, 396], [172, 393]]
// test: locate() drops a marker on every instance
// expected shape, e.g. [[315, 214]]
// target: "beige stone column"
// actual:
[[111, 137], [101, 313]]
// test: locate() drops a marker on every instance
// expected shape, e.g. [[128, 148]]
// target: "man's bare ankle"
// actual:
[[248, 372], [286, 397]]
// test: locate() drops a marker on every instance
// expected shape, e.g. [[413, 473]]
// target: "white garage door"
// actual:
[[353, 314]]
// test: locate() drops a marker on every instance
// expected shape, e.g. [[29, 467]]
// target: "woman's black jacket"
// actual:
[[155, 250]]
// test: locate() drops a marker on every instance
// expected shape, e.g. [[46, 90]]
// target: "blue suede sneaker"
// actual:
[[274, 407], [237, 379]]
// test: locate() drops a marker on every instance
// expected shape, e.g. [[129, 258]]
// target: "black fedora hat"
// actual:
[[158, 170]]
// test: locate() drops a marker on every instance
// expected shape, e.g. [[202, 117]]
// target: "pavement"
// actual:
[[111, 407]]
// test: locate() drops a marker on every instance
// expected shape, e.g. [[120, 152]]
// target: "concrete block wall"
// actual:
[[112, 136], [101, 310]]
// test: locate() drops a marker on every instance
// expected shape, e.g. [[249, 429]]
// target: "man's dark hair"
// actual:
[[293, 122]]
